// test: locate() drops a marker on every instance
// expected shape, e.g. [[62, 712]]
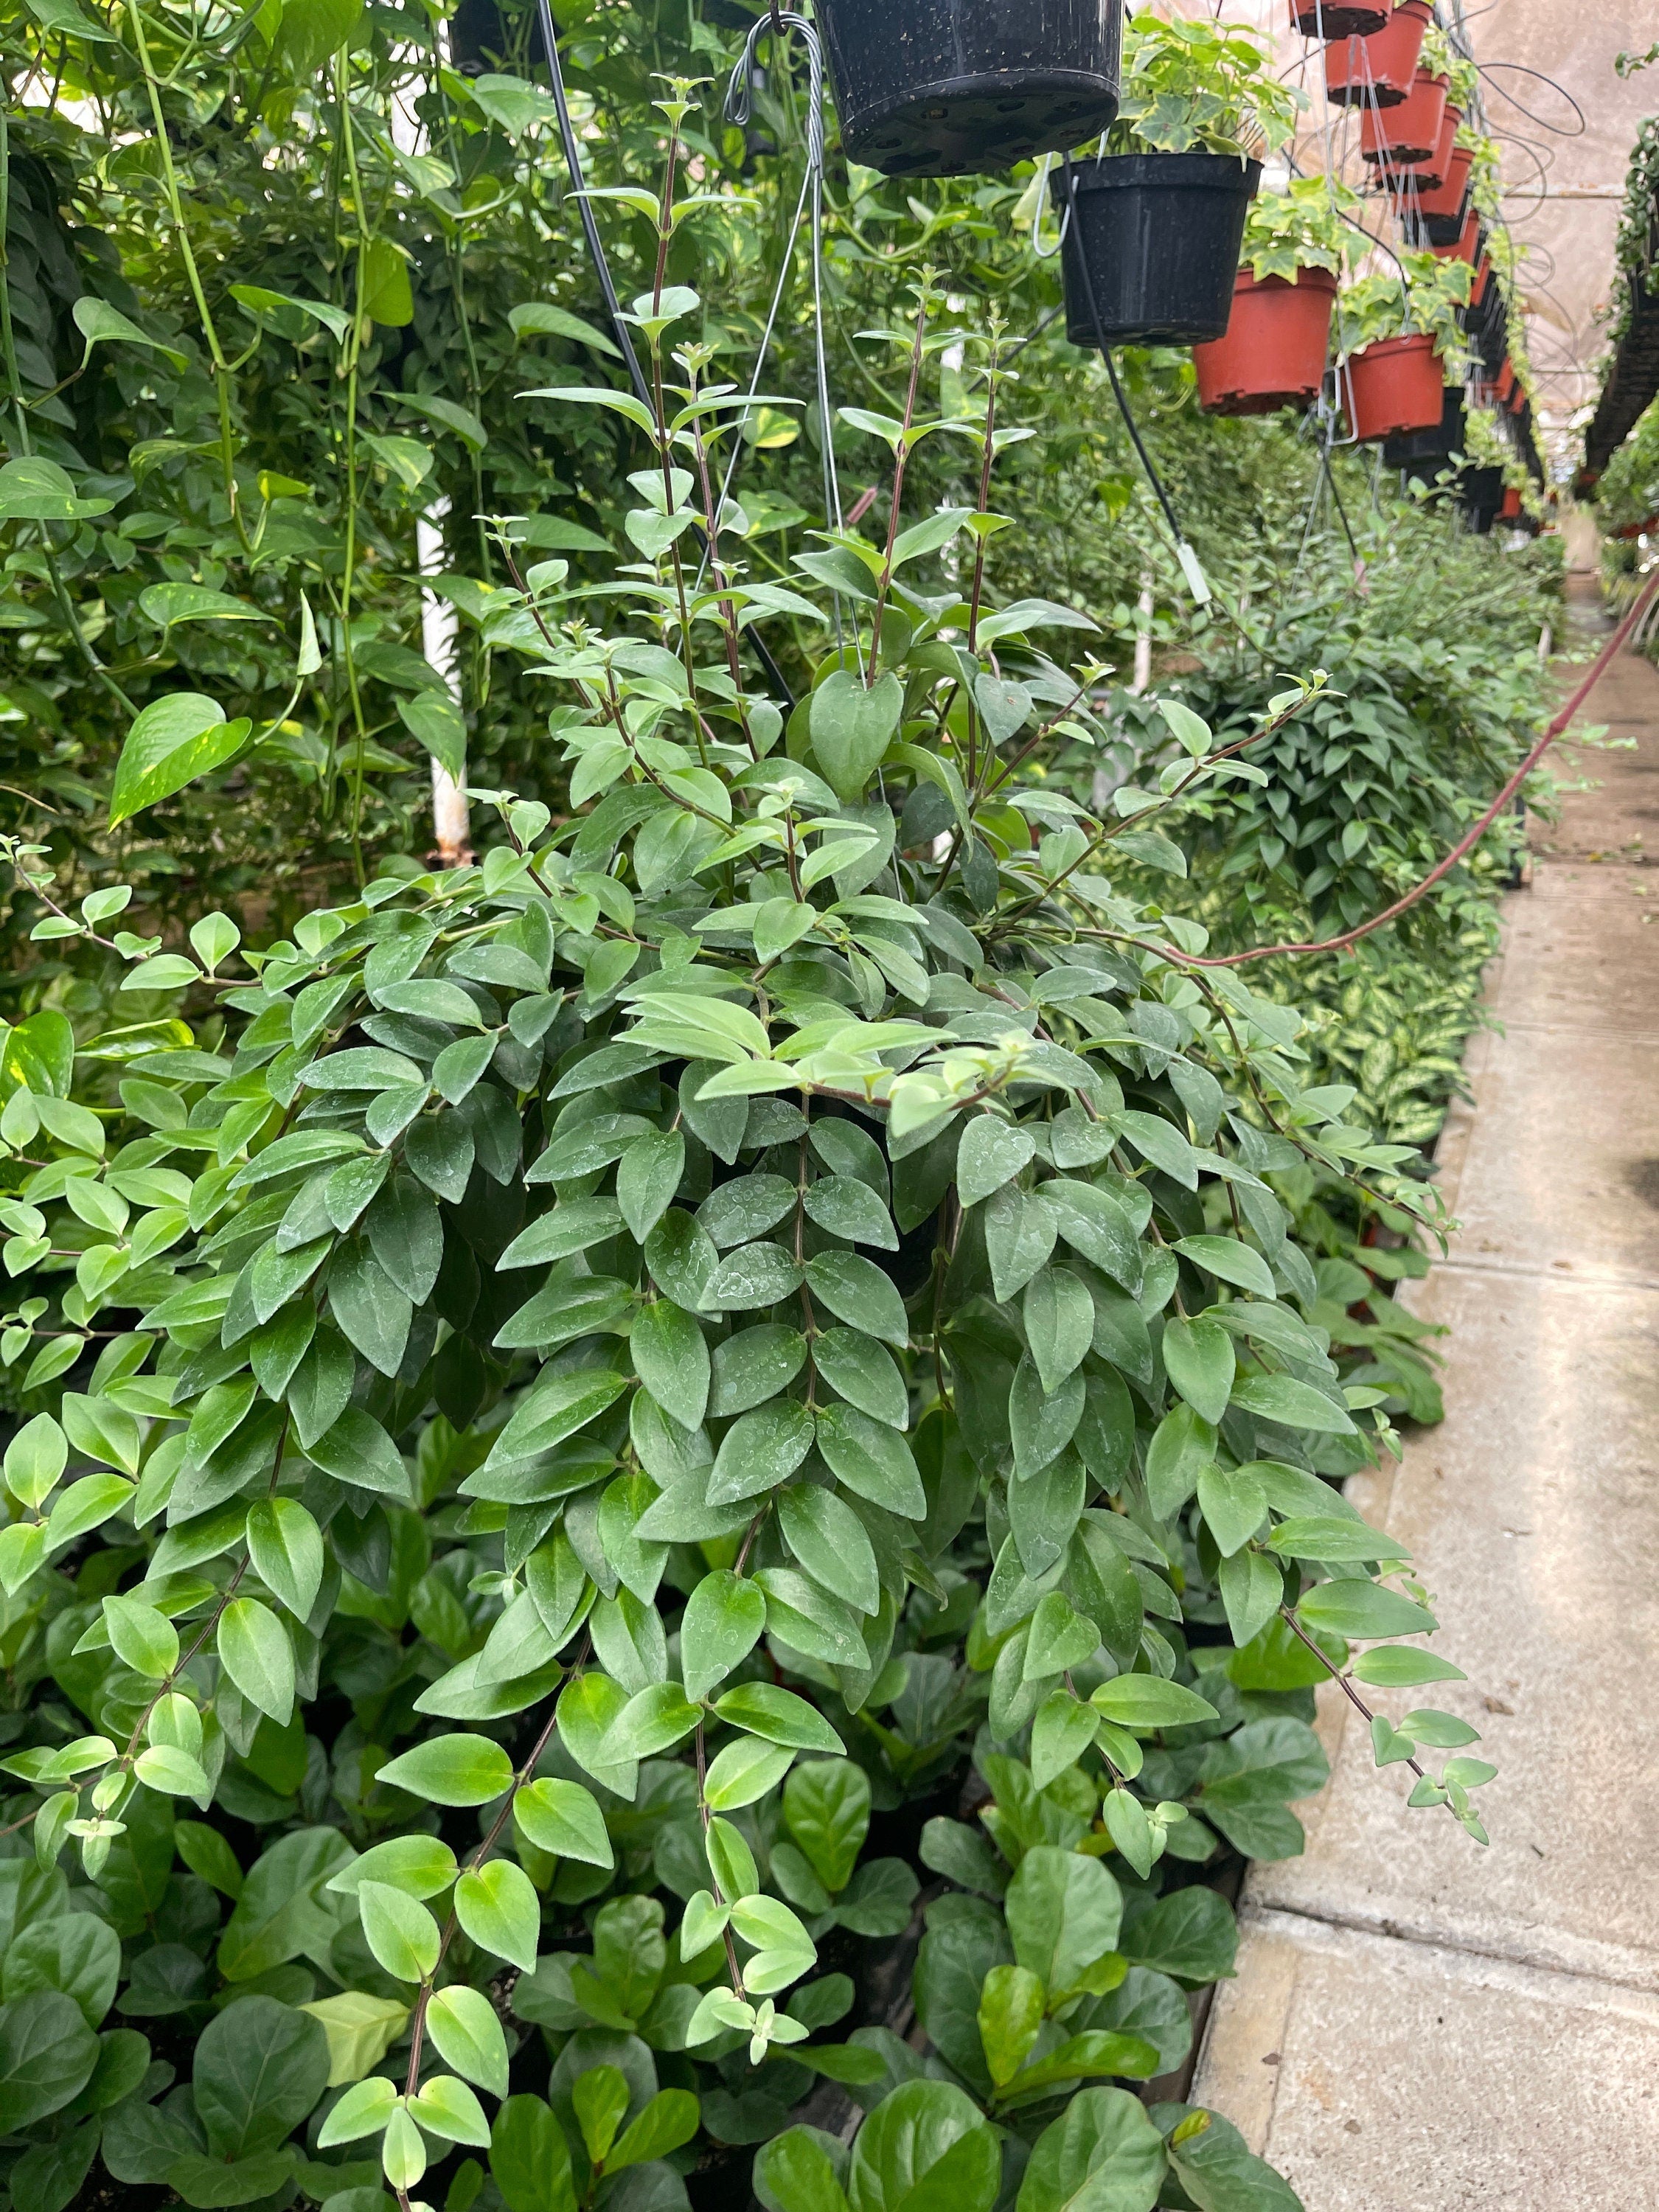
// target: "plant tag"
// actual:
[[1197, 582]]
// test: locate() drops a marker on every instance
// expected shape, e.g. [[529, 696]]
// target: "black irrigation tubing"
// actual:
[[1520, 68], [607, 286]]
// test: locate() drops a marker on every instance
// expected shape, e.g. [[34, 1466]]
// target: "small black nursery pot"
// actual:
[[1151, 249], [956, 87]]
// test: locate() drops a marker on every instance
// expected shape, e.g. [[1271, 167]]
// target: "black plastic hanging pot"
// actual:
[[1426, 446], [956, 87], [1480, 493], [1151, 248]]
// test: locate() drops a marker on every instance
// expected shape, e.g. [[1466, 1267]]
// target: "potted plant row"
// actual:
[[953, 87], [1154, 222], [1276, 346], [1402, 345], [1436, 186]]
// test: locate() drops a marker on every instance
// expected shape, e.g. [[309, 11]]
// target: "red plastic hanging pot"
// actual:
[[1393, 387], [1482, 283], [1511, 510], [1434, 172], [1517, 402], [1505, 383], [1274, 352], [1378, 70], [1448, 197], [1468, 247], [1405, 136], [1337, 19]]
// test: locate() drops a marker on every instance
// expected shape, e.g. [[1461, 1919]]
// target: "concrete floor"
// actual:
[[1419, 2023]]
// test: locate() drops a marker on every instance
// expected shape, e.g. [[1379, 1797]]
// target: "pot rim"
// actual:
[[1307, 278], [1413, 341], [1197, 171]]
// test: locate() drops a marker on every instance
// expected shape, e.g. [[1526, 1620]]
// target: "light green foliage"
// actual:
[[1191, 84], [1424, 299], [1302, 226]]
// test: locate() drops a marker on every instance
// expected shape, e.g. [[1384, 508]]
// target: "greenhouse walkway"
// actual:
[[1418, 2023]]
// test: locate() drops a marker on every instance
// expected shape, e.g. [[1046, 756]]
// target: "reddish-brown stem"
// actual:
[[525, 1773], [900, 462]]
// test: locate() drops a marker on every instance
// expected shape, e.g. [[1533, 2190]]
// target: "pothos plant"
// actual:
[[770, 1277]]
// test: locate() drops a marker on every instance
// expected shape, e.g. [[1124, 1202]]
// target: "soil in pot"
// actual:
[[1276, 346], [1404, 137], [1378, 70], [1337, 19], [1152, 247], [1392, 388], [956, 87]]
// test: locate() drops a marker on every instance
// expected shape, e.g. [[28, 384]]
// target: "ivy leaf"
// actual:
[[743, 1771], [1252, 1590], [831, 1543], [865, 1373], [1183, 1446], [654, 1721]]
